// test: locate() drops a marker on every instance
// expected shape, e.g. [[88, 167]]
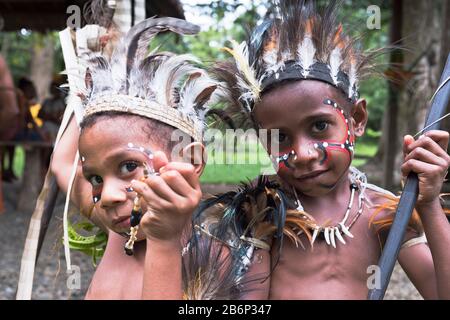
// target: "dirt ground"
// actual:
[[50, 280]]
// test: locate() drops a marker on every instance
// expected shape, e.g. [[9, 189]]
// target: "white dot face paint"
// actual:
[[148, 165], [341, 140], [344, 143]]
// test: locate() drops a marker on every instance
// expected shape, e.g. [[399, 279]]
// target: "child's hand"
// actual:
[[427, 156], [169, 199]]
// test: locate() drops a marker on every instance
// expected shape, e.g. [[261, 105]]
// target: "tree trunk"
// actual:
[[421, 33], [42, 64], [394, 88], [445, 39]]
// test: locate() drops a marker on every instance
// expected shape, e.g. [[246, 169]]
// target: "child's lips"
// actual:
[[122, 222], [309, 175]]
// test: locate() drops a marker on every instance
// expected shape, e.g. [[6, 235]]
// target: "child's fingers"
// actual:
[[407, 141], [427, 156], [159, 187], [149, 196], [429, 144], [419, 167], [187, 170], [177, 183], [441, 137], [159, 160]]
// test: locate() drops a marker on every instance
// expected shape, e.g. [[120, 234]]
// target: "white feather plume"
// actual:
[[305, 54], [335, 64], [191, 91], [270, 57], [119, 67], [353, 78]]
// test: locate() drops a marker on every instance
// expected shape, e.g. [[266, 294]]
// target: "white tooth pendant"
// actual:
[[345, 230], [327, 235], [314, 236], [333, 242], [339, 236]]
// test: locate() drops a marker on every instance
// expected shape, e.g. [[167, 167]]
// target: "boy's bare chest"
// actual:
[[117, 278], [326, 272]]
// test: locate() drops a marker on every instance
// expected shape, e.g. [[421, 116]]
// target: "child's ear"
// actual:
[[195, 153], [359, 117]]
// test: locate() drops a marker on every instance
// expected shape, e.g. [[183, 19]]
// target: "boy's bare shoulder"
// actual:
[[382, 207], [381, 202], [117, 276]]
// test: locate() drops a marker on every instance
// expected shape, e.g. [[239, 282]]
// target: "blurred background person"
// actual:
[[51, 114], [27, 127], [52, 110], [9, 112]]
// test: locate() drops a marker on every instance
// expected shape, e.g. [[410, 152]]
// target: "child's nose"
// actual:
[[113, 194], [305, 152]]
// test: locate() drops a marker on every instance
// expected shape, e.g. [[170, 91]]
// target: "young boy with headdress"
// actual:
[[312, 230], [144, 181]]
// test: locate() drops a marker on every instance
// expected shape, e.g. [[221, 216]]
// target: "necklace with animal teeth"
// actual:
[[338, 231]]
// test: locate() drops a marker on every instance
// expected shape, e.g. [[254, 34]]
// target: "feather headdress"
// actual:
[[158, 85], [300, 42]]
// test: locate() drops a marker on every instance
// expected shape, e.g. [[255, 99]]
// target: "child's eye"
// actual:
[[95, 180], [320, 126], [128, 167], [282, 137]]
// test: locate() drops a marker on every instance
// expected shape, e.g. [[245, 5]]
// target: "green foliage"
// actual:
[[19, 161], [93, 245], [18, 48]]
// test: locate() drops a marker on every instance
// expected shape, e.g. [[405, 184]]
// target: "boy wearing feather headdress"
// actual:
[[313, 230], [135, 178]]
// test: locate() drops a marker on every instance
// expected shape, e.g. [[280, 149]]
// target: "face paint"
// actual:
[[97, 185], [96, 198], [347, 144], [285, 160], [147, 152]]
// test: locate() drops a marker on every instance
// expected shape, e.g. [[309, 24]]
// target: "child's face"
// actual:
[[314, 131], [109, 165]]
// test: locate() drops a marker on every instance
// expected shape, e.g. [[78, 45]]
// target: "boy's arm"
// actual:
[[431, 275], [64, 155], [428, 158], [61, 166], [168, 202]]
